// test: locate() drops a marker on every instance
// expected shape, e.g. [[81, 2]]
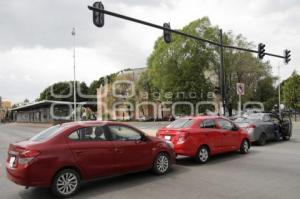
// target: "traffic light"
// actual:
[[287, 56], [167, 33], [261, 50], [98, 17]]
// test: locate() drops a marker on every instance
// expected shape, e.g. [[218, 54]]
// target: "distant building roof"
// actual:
[[136, 72], [44, 103]]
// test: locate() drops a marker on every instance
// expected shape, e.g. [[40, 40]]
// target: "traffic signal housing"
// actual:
[[261, 50], [287, 56], [98, 17], [167, 33]]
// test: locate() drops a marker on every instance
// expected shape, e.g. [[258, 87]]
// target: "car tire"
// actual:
[[202, 155], [262, 139], [161, 164], [66, 183], [245, 146], [286, 138]]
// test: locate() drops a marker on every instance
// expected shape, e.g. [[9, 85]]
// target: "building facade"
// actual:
[[120, 100], [5, 106], [46, 111]]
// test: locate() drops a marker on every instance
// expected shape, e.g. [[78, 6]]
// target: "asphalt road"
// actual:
[[271, 171]]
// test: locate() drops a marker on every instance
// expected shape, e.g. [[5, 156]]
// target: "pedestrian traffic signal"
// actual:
[[98, 17], [261, 50], [287, 56], [167, 33]]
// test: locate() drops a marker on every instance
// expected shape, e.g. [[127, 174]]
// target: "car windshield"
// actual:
[[45, 134], [181, 123]]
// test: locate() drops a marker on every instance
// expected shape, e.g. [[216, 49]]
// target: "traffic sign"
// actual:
[[240, 88]]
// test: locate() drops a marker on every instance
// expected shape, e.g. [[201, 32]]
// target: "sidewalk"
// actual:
[[297, 124], [34, 125]]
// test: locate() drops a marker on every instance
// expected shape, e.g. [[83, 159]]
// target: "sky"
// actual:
[[36, 45]]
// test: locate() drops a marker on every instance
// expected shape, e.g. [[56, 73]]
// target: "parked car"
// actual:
[[63, 156], [203, 136], [145, 118], [263, 127]]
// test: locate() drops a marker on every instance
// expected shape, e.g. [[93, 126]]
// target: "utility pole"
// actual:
[[222, 74], [74, 68], [279, 92]]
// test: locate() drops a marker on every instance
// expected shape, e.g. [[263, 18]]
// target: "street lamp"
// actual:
[[74, 83]]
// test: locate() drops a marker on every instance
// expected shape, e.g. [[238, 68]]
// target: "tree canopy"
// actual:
[[186, 65], [291, 91], [63, 91]]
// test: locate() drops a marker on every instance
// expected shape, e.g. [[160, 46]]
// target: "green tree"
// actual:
[[244, 67], [291, 91], [102, 81], [57, 90], [265, 92], [191, 66], [179, 67]]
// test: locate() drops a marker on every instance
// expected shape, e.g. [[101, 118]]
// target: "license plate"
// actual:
[[12, 161], [167, 137]]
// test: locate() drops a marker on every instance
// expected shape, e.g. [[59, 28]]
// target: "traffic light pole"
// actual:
[[221, 45], [176, 31], [222, 74]]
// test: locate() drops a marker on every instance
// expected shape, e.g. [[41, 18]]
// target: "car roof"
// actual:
[[91, 123], [203, 117]]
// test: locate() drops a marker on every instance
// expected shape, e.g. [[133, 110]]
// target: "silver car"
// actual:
[[263, 127]]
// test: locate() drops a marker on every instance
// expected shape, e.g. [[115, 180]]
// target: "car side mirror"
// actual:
[[144, 138], [235, 128]]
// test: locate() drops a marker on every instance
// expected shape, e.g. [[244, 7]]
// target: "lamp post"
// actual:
[[74, 83]]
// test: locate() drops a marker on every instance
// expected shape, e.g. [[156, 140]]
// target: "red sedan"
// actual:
[[203, 136], [63, 156]]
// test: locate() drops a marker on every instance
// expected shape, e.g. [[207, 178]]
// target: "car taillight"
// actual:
[[250, 129], [182, 137], [26, 156], [159, 135]]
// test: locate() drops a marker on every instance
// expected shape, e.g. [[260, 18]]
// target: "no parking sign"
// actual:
[[240, 88]]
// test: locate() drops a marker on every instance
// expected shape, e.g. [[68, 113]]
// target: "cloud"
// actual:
[[26, 72]]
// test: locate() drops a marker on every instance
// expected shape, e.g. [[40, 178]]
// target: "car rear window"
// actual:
[[45, 134], [181, 123], [242, 120], [255, 116]]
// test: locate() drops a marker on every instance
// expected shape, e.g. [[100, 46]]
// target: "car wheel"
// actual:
[[66, 183], [262, 139], [245, 146], [202, 155], [161, 164]]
